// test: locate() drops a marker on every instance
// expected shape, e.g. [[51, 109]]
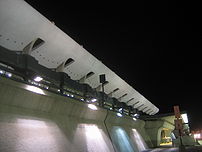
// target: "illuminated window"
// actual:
[[185, 118]]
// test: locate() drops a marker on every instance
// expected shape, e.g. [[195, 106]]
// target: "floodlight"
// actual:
[[93, 100], [91, 106], [119, 114], [38, 78], [120, 110]]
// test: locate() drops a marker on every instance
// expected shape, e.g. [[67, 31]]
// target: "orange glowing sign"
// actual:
[[177, 112], [178, 120]]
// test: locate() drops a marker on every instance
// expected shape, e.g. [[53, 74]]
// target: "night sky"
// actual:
[[153, 46]]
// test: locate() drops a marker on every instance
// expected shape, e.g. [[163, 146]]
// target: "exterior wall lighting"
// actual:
[[93, 100], [91, 106], [38, 78], [119, 114], [120, 110], [8, 74]]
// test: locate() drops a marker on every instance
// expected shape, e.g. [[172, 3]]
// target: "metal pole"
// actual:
[[181, 146], [103, 87]]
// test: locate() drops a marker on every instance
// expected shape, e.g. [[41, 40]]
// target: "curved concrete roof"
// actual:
[[20, 24]]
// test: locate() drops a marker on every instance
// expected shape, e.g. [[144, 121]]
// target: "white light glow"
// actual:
[[1, 72], [94, 100], [82, 99], [120, 109], [95, 138], [121, 140], [119, 115], [9, 74], [197, 136], [141, 145], [136, 115], [185, 118], [134, 119], [36, 134], [35, 90], [91, 106], [31, 123], [38, 78]]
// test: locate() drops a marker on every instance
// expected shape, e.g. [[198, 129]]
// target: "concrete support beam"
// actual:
[[32, 46]]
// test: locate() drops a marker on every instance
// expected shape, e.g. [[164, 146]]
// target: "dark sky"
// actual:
[[153, 46]]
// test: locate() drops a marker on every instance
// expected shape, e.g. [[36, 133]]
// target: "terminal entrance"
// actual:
[[166, 139]]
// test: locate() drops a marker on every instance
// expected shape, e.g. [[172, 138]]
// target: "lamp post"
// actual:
[[102, 81]]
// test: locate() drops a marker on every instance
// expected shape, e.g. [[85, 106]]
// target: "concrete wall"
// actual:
[[33, 122], [134, 131]]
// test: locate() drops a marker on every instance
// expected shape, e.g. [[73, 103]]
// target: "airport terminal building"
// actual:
[[56, 96]]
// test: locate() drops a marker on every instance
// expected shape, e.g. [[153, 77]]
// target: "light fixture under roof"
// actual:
[[38, 78], [93, 100], [8, 74], [119, 114], [120, 110], [35, 89], [91, 106], [136, 115]]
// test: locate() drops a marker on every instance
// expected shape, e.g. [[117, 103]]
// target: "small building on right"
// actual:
[[165, 130]]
